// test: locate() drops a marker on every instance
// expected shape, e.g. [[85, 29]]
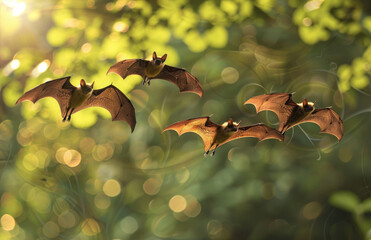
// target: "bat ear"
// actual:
[[154, 55], [82, 83], [92, 85], [163, 58], [305, 102], [230, 122]]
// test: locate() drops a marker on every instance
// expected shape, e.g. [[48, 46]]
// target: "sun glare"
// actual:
[[18, 7]]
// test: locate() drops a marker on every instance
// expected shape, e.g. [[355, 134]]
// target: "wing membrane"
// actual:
[[128, 67], [181, 78], [279, 103], [60, 89], [112, 99], [201, 126], [328, 121]]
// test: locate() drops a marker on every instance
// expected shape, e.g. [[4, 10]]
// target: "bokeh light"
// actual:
[[39, 69], [102, 201], [90, 227], [11, 66], [7, 222], [72, 158], [51, 229], [129, 225], [177, 203], [112, 188], [152, 186], [230, 75], [67, 219]]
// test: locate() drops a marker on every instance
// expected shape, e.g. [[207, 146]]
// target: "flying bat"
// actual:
[[157, 69], [214, 135], [291, 114], [72, 99]]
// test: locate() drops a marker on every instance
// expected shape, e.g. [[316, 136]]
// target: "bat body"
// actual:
[[72, 99], [214, 135], [291, 114], [157, 69]]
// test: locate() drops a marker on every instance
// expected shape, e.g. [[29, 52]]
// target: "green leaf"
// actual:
[[366, 205], [217, 37], [345, 200], [57, 36]]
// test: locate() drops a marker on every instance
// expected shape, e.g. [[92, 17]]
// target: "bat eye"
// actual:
[[158, 61]]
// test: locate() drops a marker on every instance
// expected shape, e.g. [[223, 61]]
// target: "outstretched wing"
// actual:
[[60, 89], [328, 120], [201, 126], [181, 78], [279, 103], [259, 131], [128, 67], [112, 99]]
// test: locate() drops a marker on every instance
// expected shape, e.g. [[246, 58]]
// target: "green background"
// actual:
[[93, 179]]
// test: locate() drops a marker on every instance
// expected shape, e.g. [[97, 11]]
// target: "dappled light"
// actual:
[[94, 178]]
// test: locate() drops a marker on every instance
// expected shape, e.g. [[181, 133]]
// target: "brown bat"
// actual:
[[72, 99], [290, 113], [214, 135], [156, 69]]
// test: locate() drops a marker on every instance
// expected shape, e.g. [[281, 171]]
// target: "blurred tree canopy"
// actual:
[[93, 179]]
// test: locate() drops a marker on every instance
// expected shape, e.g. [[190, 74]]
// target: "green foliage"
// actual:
[[94, 179], [345, 200]]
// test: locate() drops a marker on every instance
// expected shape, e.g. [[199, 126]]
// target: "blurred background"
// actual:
[[92, 179]]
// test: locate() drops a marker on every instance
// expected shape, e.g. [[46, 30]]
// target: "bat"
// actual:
[[214, 135], [291, 114], [157, 69], [72, 99]]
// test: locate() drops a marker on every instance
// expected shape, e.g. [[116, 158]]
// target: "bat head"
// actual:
[[86, 88], [307, 106], [158, 61], [230, 126]]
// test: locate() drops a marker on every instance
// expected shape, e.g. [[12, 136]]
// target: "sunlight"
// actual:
[[19, 9], [11, 66], [42, 67]]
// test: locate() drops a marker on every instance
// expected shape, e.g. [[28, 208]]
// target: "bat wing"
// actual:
[[181, 78], [112, 99], [328, 121], [128, 67], [60, 89], [259, 131], [279, 103], [201, 126]]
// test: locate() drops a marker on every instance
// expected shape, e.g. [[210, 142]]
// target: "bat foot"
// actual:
[[212, 153], [64, 119], [205, 154]]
